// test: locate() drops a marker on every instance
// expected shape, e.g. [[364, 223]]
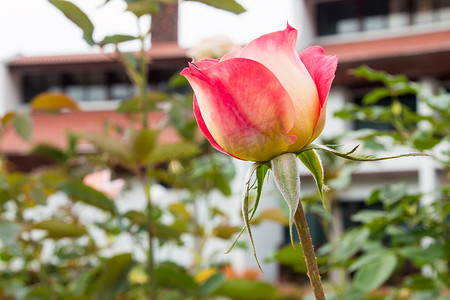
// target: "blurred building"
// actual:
[[410, 37], [398, 36]]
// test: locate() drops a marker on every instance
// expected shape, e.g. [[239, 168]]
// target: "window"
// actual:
[[337, 17], [80, 86], [408, 100], [347, 16], [87, 87], [34, 85]]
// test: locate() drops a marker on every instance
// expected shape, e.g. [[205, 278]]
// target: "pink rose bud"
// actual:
[[262, 100]]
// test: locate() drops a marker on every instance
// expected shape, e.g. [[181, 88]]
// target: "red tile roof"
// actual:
[[53, 128], [157, 51], [361, 50]]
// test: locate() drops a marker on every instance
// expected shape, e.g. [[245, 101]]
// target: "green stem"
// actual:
[[143, 68], [151, 259], [308, 252]]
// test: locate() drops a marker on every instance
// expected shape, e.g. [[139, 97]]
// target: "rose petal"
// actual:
[[233, 54], [245, 108], [321, 67], [205, 63], [204, 129], [277, 51]]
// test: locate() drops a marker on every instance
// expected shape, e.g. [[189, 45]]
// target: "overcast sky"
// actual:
[[35, 27]]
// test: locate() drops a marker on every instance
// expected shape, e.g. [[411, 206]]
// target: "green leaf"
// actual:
[[141, 8], [368, 216], [294, 258], [311, 160], [225, 231], [374, 75], [38, 195], [113, 277], [275, 214], [241, 289], [116, 39], [57, 229], [376, 95], [130, 105], [53, 102], [136, 217], [365, 259], [174, 277], [286, 172], [115, 148], [228, 5], [77, 16], [4, 197], [424, 140], [49, 152], [39, 292], [6, 118], [23, 124], [176, 81], [211, 284], [223, 185], [344, 177], [374, 274], [372, 144], [9, 231], [79, 191], [393, 193], [419, 282], [350, 243], [164, 153], [439, 102], [142, 142]]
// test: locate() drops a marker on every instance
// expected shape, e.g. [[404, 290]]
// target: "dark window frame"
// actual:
[[360, 16]]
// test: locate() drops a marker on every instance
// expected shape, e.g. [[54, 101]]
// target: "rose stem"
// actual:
[[308, 252], [151, 248]]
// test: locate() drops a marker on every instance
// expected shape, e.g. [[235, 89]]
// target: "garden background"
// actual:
[[108, 191]]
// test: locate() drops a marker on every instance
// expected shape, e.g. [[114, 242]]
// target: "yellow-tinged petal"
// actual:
[[277, 52]]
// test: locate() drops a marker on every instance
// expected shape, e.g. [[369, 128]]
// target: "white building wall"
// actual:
[[9, 89], [303, 21]]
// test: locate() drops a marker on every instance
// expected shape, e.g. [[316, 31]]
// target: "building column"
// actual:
[[427, 176], [9, 89], [338, 97]]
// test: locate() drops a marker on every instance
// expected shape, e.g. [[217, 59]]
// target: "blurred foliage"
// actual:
[[64, 238], [58, 235], [399, 246]]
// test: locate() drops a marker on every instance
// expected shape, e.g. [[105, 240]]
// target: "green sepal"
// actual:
[[245, 212], [312, 161], [355, 158], [286, 172], [261, 172]]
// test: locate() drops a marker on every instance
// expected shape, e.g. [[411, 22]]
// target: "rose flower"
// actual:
[[262, 100]]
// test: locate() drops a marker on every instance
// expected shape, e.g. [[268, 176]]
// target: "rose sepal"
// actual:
[[347, 155]]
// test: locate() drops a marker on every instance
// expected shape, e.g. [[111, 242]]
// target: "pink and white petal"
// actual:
[[233, 54], [320, 123], [249, 119], [205, 130], [322, 69], [205, 63], [277, 51]]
